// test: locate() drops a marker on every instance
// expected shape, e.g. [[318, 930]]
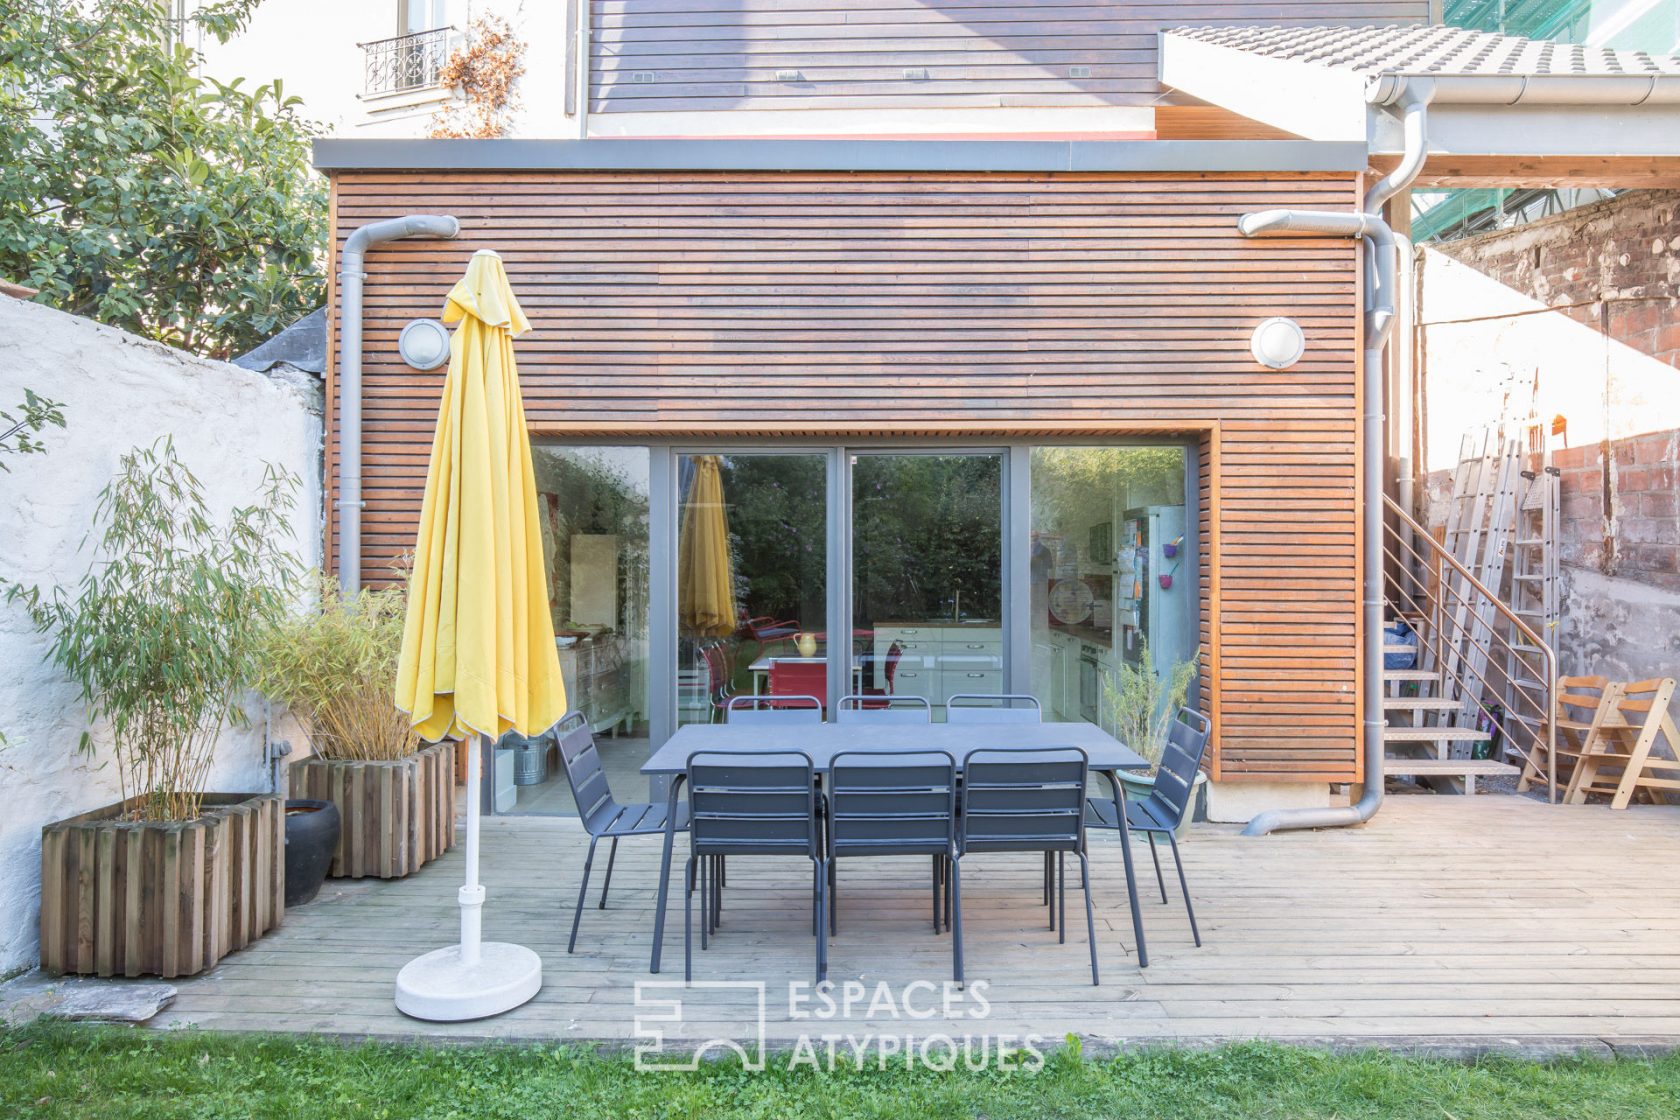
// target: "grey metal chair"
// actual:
[[1027, 800], [1163, 810], [884, 803], [977, 707], [883, 709], [750, 803], [602, 816], [784, 710]]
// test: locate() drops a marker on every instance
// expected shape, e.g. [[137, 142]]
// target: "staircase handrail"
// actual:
[[1441, 553]]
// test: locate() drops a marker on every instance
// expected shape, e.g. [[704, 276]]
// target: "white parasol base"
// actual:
[[440, 987], [477, 978]]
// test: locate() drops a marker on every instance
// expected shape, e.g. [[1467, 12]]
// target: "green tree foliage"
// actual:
[[142, 194], [20, 432]]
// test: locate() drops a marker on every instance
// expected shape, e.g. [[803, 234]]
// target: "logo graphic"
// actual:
[[659, 1012]]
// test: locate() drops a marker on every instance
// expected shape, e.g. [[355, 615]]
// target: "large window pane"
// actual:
[[1114, 600], [927, 563], [593, 507], [752, 579]]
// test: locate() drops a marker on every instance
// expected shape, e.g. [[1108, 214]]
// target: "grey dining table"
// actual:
[[822, 741]]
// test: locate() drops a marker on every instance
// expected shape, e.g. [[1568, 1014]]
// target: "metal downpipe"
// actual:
[[1381, 302], [350, 277]]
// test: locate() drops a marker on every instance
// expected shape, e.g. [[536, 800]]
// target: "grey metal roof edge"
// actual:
[[837, 155]]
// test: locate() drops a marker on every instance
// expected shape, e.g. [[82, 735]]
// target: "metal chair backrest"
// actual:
[[752, 803], [1026, 800], [977, 707], [784, 710], [895, 654], [1187, 740], [582, 762], [799, 676], [883, 709], [892, 803], [717, 671]]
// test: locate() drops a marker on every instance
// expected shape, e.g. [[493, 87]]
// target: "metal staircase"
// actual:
[[1476, 703]]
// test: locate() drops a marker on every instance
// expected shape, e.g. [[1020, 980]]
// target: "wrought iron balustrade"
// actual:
[[406, 61]]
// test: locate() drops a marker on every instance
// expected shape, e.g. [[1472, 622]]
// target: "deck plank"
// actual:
[[1417, 926]]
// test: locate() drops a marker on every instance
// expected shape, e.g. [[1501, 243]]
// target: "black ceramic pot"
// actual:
[[311, 838]]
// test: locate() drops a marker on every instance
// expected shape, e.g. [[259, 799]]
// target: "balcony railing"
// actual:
[[405, 62]]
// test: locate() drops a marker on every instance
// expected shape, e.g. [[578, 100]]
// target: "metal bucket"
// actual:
[[530, 763]]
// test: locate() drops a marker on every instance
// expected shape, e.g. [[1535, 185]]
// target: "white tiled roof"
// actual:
[[1434, 50]]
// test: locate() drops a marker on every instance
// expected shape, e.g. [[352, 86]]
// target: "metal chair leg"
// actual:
[[1185, 887], [956, 922], [612, 857], [705, 899], [945, 869], [583, 891], [1155, 855], [833, 906], [936, 888], [822, 924], [1090, 913], [1061, 895], [688, 923], [717, 894], [1047, 899]]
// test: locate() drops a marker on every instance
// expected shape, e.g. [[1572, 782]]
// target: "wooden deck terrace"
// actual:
[[1447, 925]]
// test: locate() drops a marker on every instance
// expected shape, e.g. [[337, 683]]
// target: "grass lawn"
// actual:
[[92, 1073]]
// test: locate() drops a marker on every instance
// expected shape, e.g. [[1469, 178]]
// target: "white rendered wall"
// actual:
[[119, 392]]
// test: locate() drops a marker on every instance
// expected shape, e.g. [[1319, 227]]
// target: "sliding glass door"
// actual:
[[752, 579], [927, 575], [684, 577], [1113, 563]]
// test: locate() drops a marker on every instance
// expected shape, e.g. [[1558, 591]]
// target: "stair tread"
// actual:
[[1406, 703], [1411, 675], [1481, 767], [1433, 734]]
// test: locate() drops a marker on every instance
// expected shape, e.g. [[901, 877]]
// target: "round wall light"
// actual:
[[1278, 343], [424, 344]]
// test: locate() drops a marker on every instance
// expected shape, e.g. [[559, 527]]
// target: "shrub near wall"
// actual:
[[334, 664]]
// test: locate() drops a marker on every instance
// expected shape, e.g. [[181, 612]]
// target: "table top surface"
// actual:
[[822, 741]]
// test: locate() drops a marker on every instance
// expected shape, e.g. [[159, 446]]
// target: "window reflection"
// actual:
[[592, 504]]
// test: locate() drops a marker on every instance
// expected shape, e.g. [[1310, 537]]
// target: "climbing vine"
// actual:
[[482, 77]]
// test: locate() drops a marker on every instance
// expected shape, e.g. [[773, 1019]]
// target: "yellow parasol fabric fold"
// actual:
[[705, 582], [478, 650]]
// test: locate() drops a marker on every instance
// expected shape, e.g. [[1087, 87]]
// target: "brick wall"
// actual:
[[1585, 303], [1624, 522], [1614, 268]]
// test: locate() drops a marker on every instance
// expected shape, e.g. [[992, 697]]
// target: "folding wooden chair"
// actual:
[[1621, 760], [1581, 704]]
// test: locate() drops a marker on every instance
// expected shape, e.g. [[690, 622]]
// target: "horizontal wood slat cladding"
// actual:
[[683, 55], [685, 304]]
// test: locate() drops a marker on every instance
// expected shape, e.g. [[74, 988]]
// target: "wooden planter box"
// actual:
[[141, 898], [397, 816]]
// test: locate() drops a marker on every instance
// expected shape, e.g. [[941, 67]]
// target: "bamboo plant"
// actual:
[[159, 634], [1140, 704], [333, 666]]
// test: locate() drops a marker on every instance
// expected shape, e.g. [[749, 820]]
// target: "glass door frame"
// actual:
[[664, 512]]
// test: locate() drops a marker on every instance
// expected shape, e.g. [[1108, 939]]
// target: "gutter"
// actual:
[[1528, 89], [1381, 300], [350, 277]]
